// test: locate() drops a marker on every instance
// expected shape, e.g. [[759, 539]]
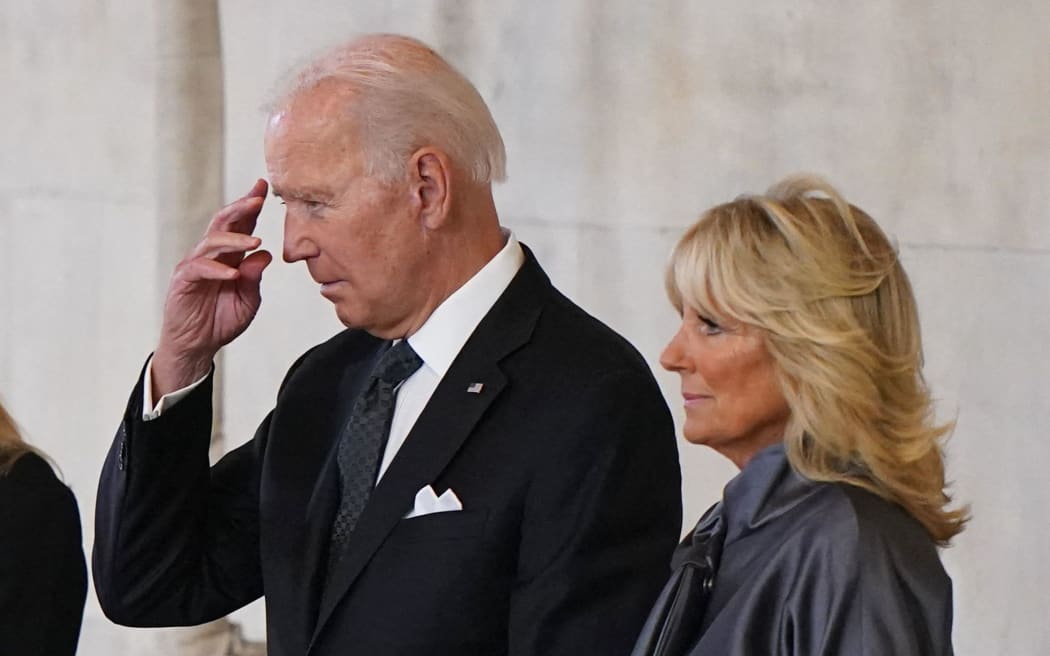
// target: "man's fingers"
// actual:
[[251, 274], [216, 244], [251, 267], [258, 189], [201, 269], [246, 222], [234, 215], [240, 215]]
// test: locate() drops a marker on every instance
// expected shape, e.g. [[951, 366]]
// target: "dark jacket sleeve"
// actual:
[[176, 543], [903, 598], [600, 523], [43, 580], [875, 586]]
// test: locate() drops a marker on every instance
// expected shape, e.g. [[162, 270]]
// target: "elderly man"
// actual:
[[475, 466]]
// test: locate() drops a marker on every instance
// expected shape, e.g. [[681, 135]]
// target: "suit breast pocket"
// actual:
[[441, 526]]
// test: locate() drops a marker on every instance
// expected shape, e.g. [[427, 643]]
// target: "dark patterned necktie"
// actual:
[[361, 444]]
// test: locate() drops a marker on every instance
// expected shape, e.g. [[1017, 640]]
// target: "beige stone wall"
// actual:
[[77, 232], [623, 119]]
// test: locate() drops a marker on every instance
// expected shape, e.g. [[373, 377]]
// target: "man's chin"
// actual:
[[376, 324], [346, 318], [331, 290], [355, 321]]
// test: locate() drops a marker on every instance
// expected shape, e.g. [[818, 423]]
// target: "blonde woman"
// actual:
[[800, 361], [43, 580]]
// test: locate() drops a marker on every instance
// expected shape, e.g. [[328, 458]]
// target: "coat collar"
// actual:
[[766, 489]]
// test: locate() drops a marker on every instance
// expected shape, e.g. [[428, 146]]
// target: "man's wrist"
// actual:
[[152, 410], [174, 372]]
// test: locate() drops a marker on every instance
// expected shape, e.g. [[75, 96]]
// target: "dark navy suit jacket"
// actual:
[[565, 463]]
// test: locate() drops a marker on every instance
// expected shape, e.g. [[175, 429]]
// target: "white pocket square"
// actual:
[[428, 503]]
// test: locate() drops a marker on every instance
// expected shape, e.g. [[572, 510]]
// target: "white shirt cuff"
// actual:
[[149, 412]]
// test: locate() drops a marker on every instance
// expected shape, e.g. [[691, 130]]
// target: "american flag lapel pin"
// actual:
[[475, 388]]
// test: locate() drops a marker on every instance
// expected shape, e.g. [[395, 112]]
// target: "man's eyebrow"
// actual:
[[305, 192]]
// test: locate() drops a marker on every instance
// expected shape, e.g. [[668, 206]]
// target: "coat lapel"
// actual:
[[444, 425], [329, 380]]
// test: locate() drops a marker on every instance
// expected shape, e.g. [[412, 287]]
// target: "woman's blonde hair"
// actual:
[[12, 447], [827, 290]]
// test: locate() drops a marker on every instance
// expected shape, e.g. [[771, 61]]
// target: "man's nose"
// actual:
[[297, 243]]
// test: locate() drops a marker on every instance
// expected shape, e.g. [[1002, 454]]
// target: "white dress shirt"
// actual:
[[437, 342]]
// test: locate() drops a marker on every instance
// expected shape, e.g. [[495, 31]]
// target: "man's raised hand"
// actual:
[[213, 295]]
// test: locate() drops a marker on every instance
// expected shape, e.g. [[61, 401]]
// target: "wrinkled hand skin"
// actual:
[[213, 295]]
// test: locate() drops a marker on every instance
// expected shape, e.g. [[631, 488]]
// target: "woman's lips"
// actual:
[[692, 399]]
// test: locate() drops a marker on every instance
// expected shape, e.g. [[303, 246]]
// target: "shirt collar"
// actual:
[[440, 339]]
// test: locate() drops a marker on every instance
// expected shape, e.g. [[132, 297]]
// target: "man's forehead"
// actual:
[[329, 97], [324, 124], [274, 122]]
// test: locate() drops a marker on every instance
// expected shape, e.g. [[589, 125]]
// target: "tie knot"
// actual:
[[398, 363]]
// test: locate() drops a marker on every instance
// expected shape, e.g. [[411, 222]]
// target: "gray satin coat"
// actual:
[[805, 569]]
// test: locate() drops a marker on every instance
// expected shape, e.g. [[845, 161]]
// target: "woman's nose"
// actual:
[[671, 357]]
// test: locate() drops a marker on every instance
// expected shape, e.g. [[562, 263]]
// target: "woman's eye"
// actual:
[[709, 327]]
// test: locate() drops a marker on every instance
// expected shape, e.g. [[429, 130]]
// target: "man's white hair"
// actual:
[[404, 96]]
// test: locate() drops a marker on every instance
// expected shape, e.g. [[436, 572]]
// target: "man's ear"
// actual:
[[430, 176]]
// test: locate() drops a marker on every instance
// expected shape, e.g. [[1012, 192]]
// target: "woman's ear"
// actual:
[[430, 177]]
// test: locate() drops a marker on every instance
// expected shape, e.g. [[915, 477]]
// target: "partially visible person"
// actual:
[[800, 360], [43, 580]]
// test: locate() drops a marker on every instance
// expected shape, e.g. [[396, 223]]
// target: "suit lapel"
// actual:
[[444, 425], [330, 381]]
